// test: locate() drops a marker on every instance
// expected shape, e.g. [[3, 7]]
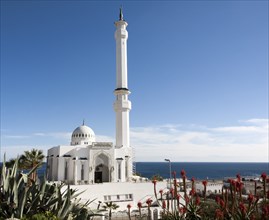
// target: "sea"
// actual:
[[198, 170], [202, 170]]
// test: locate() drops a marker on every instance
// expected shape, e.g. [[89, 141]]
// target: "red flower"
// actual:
[[265, 210], [129, 206], [161, 191], [197, 201], [164, 204], [139, 205], [250, 198], [149, 201], [204, 182], [187, 199], [221, 203], [192, 179], [242, 208], [232, 182], [239, 186], [183, 173], [192, 192], [182, 210], [172, 191], [154, 182], [219, 214], [263, 176], [238, 177]]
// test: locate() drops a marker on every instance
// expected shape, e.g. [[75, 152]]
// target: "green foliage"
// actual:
[[110, 206], [157, 177], [42, 216], [31, 159], [22, 197]]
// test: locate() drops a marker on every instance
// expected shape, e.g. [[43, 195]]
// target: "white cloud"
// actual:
[[239, 143], [245, 142], [258, 121], [60, 135], [15, 136]]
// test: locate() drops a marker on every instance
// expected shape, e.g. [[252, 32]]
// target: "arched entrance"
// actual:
[[101, 173]]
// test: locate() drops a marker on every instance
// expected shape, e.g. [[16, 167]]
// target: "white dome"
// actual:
[[83, 135]]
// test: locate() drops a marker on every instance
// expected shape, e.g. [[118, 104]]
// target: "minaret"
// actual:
[[122, 105]]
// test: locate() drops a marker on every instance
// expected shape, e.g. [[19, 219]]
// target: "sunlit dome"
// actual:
[[82, 135]]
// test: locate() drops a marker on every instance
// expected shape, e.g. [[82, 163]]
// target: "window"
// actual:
[[119, 170], [118, 197], [79, 135], [82, 171], [126, 168], [66, 170]]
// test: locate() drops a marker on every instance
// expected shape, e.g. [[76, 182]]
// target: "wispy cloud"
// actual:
[[64, 135], [16, 136], [245, 141]]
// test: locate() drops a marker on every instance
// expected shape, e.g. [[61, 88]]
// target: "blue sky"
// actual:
[[198, 73]]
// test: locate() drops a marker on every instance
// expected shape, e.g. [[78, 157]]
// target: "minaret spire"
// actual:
[[121, 14]]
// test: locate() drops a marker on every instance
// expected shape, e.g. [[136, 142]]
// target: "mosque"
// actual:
[[86, 161], [103, 171]]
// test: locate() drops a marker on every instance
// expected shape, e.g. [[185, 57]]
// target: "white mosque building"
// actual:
[[103, 171], [86, 161]]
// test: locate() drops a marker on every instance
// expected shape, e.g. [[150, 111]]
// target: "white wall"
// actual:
[[139, 191]]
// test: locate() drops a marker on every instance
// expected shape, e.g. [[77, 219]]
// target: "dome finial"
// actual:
[[121, 14], [83, 122]]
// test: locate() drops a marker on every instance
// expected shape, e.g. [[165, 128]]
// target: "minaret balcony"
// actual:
[[122, 105], [121, 91]]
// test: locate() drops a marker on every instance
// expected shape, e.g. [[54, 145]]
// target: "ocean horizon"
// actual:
[[198, 170], [203, 170]]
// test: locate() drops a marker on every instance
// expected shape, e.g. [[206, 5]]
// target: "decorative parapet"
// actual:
[[102, 145]]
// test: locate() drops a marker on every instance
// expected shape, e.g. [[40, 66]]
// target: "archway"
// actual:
[[101, 173]]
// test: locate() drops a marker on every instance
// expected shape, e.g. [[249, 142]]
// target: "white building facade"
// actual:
[[86, 161]]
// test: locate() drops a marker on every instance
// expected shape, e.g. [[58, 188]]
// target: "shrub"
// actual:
[[21, 197]]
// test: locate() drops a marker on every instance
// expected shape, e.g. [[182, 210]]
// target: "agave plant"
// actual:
[[20, 197]]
